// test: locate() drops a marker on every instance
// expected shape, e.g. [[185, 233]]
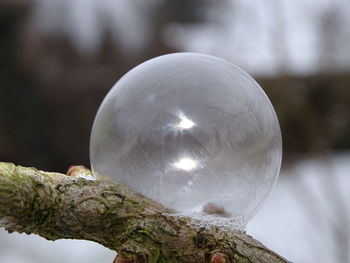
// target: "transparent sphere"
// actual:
[[191, 131]]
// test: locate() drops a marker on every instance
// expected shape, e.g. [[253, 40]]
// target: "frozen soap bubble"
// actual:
[[193, 132]]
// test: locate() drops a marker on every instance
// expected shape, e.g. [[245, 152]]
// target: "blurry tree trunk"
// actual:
[[57, 206]]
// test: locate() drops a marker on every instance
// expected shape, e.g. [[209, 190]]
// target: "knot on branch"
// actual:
[[218, 257]]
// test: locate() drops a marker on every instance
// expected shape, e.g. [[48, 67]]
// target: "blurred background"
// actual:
[[59, 58]]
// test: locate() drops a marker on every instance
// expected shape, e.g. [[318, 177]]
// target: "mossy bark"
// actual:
[[57, 206]]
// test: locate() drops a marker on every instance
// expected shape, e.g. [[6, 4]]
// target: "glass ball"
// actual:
[[191, 131]]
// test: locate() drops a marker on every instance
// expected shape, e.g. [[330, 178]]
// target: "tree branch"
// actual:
[[57, 206]]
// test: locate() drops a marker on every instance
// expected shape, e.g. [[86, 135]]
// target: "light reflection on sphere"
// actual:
[[191, 131]]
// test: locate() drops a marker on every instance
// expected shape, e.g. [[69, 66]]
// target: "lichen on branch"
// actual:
[[57, 206]]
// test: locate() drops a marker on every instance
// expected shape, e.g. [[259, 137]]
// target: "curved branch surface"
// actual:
[[57, 206]]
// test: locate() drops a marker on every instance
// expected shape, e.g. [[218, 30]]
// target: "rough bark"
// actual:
[[57, 206]]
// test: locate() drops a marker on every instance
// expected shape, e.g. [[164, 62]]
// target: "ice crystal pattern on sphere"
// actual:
[[191, 131]]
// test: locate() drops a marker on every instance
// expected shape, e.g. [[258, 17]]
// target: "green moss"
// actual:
[[19, 179], [145, 232], [199, 240], [177, 252], [50, 235], [240, 259], [133, 202], [37, 184], [126, 255], [82, 182], [164, 258], [155, 256]]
